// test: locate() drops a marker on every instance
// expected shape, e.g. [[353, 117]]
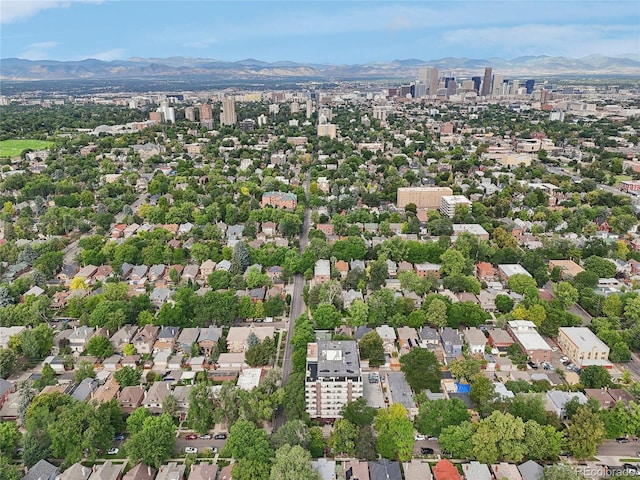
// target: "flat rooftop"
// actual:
[[337, 358], [583, 338]]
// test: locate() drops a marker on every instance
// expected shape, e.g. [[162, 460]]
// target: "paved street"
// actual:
[[611, 448], [182, 442]]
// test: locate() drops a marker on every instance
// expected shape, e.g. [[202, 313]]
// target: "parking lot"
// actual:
[[373, 392]]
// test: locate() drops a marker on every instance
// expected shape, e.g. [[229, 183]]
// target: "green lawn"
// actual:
[[13, 148]]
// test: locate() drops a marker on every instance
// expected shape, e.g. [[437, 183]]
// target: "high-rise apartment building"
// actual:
[[498, 88], [228, 114], [206, 115], [333, 377], [190, 114], [449, 204], [486, 82], [309, 108], [429, 76]]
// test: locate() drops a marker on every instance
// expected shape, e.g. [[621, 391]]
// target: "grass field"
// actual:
[[13, 148]]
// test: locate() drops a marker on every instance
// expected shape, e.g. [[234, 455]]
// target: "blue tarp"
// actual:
[[463, 387]]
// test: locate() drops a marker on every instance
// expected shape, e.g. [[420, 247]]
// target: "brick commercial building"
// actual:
[[422, 197]]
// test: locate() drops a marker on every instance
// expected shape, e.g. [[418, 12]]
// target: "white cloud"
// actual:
[[107, 55], [38, 50], [13, 11], [200, 43]]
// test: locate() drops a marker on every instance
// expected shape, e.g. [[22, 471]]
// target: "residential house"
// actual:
[[79, 338], [207, 268], [160, 295], [417, 469], [451, 342], [137, 274], [357, 265], [155, 396], [42, 470], [269, 228], [86, 273], [424, 269], [476, 341], [355, 470], [68, 272], [557, 401], [530, 470], [107, 391], [187, 338], [485, 272], [342, 267], [476, 471], [326, 228], [384, 470], [388, 336], [326, 468], [208, 339], [190, 273], [408, 338], [144, 340], [568, 268], [429, 336], [112, 363], [322, 272], [224, 265], [506, 471], [602, 395], [102, 273], [7, 332], [6, 387], [487, 300], [348, 297], [122, 337], [141, 472], [500, 339], [84, 390], [77, 471], [108, 471], [167, 338], [274, 273], [279, 200], [445, 470], [171, 471], [156, 272], [181, 394], [131, 398], [203, 471], [392, 268]]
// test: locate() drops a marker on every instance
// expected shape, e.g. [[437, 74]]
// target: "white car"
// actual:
[[433, 439], [113, 451], [419, 437], [190, 450]]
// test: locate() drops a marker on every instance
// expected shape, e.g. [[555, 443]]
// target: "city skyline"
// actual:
[[322, 32]]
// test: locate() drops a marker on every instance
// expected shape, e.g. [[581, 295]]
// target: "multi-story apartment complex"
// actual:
[[422, 197], [333, 377], [228, 114], [582, 346], [279, 200], [449, 203], [524, 333]]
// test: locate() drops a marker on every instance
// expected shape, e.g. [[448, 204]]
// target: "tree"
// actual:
[[8, 471], [542, 442], [464, 369], [9, 437], [78, 283], [561, 471], [378, 273], [504, 303], [528, 407], [169, 405], [585, 433], [47, 377], [127, 376], [34, 449], [240, 259], [129, 349], [437, 313], [434, 416], [457, 439], [453, 263], [290, 225], [201, 414], [371, 348], [326, 317], [154, 443], [84, 370], [343, 437], [36, 343], [595, 376], [293, 432], [520, 283], [421, 369], [395, 433], [359, 413], [99, 346], [566, 294], [482, 394], [292, 463], [612, 306], [8, 362], [136, 420], [600, 266], [358, 313], [497, 437], [247, 444]]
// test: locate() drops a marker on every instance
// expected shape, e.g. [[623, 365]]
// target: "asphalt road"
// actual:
[[611, 448], [182, 442], [634, 368]]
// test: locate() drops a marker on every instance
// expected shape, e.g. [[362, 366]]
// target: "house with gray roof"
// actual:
[[42, 470], [530, 470], [428, 336], [557, 401], [79, 338], [171, 471], [357, 264], [451, 342], [123, 336], [208, 339], [400, 392], [155, 396], [77, 471], [159, 296], [108, 471], [349, 296], [476, 470], [417, 469], [384, 470], [326, 468], [85, 389], [188, 337]]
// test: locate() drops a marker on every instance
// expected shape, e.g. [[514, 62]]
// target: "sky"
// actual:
[[334, 32]]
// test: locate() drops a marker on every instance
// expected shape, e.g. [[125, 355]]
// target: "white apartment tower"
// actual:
[[333, 377], [228, 114]]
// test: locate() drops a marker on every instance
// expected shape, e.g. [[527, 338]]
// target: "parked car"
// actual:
[[190, 450], [118, 437], [193, 436], [206, 436], [419, 438], [426, 451], [113, 451], [220, 436], [564, 358], [432, 439], [622, 440]]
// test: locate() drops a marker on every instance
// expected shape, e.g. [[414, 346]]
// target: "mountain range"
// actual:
[[15, 69]]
